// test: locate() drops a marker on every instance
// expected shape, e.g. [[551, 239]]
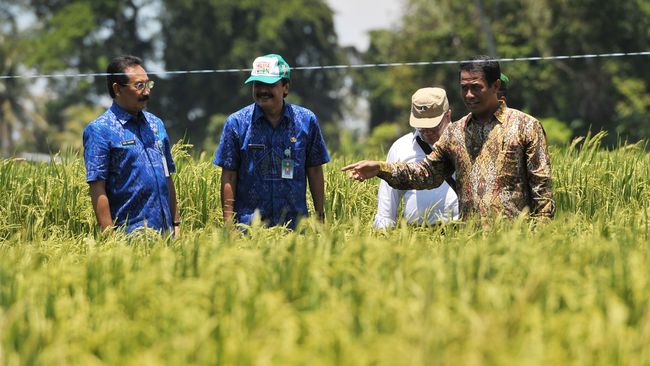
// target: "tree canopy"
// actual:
[[226, 34], [595, 93], [75, 36]]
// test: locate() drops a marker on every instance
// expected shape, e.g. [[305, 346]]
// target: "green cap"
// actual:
[[504, 81], [269, 69]]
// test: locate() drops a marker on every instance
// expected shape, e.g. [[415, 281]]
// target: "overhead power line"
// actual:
[[330, 67]]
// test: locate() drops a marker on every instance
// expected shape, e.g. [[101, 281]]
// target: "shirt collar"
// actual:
[[416, 133], [123, 116], [258, 114], [499, 114]]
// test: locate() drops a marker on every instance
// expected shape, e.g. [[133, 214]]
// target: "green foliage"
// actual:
[[383, 136], [594, 94], [75, 118], [573, 291], [632, 109], [557, 132], [82, 34], [67, 36], [226, 34], [213, 132], [61, 35], [18, 119]]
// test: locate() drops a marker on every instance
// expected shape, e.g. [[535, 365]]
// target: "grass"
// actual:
[[574, 292]]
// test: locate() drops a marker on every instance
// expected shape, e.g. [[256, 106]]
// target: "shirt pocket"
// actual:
[[512, 167], [123, 154], [513, 156], [260, 161], [299, 158]]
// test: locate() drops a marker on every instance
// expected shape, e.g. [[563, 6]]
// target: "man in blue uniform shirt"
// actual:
[[128, 156], [268, 150]]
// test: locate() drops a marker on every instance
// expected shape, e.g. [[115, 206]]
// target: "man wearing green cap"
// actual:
[[502, 93], [268, 151]]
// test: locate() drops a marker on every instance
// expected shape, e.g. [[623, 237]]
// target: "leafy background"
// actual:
[[570, 96]]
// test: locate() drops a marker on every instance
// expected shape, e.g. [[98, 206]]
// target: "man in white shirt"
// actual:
[[430, 115]]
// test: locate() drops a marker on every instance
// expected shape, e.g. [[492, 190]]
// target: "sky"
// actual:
[[354, 18]]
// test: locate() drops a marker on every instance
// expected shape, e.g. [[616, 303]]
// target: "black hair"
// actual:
[[115, 71], [484, 64]]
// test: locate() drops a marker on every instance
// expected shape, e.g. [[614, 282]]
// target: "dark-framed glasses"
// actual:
[[141, 85]]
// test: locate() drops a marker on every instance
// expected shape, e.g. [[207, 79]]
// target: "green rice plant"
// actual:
[[331, 295], [574, 291], [596, 182]]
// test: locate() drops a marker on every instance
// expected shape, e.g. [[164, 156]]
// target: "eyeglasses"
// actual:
[[141, 85], [427, 130]]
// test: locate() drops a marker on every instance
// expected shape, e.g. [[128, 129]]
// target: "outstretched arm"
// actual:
[[425, 174]]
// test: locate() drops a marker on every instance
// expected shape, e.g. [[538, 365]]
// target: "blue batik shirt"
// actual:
[[253, 148], [133, 156]]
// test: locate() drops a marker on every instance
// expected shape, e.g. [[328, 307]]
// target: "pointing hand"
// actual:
[[362, 170]]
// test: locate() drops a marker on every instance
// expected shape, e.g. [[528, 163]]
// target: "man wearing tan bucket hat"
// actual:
[[430, 116]]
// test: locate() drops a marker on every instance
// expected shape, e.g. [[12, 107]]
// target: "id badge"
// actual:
[[287, 169], [164, 160]]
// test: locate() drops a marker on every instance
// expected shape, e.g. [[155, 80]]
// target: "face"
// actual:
[[479, 97], [128, 96], [432, 135], [270, 97]]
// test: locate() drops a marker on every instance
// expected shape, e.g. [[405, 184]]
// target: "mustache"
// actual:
[[143, 98], [264, 94]]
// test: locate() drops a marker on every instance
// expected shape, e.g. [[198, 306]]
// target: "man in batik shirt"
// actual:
[[499, 154]]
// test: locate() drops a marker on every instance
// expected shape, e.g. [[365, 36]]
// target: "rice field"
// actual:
[[573, 292]]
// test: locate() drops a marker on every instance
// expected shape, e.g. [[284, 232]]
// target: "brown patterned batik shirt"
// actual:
[[502, 166]]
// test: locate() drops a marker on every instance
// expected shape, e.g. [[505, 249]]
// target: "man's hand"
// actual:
[[362, 170], [177, 231]]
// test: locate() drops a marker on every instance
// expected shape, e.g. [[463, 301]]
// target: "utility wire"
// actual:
[[330, 67]]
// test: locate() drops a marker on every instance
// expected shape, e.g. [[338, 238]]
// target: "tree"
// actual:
[[606, 94], [82, 36], [588, 93], [226, 34], [18, 117]]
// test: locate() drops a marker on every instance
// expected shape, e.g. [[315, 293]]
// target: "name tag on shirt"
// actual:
[[163, 159], [256, 146], [287, 169], [128, 142]]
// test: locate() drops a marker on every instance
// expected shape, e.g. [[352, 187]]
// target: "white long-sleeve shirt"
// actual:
[[436, 204]]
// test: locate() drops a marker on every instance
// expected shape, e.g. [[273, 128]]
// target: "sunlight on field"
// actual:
[[575, 291]]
